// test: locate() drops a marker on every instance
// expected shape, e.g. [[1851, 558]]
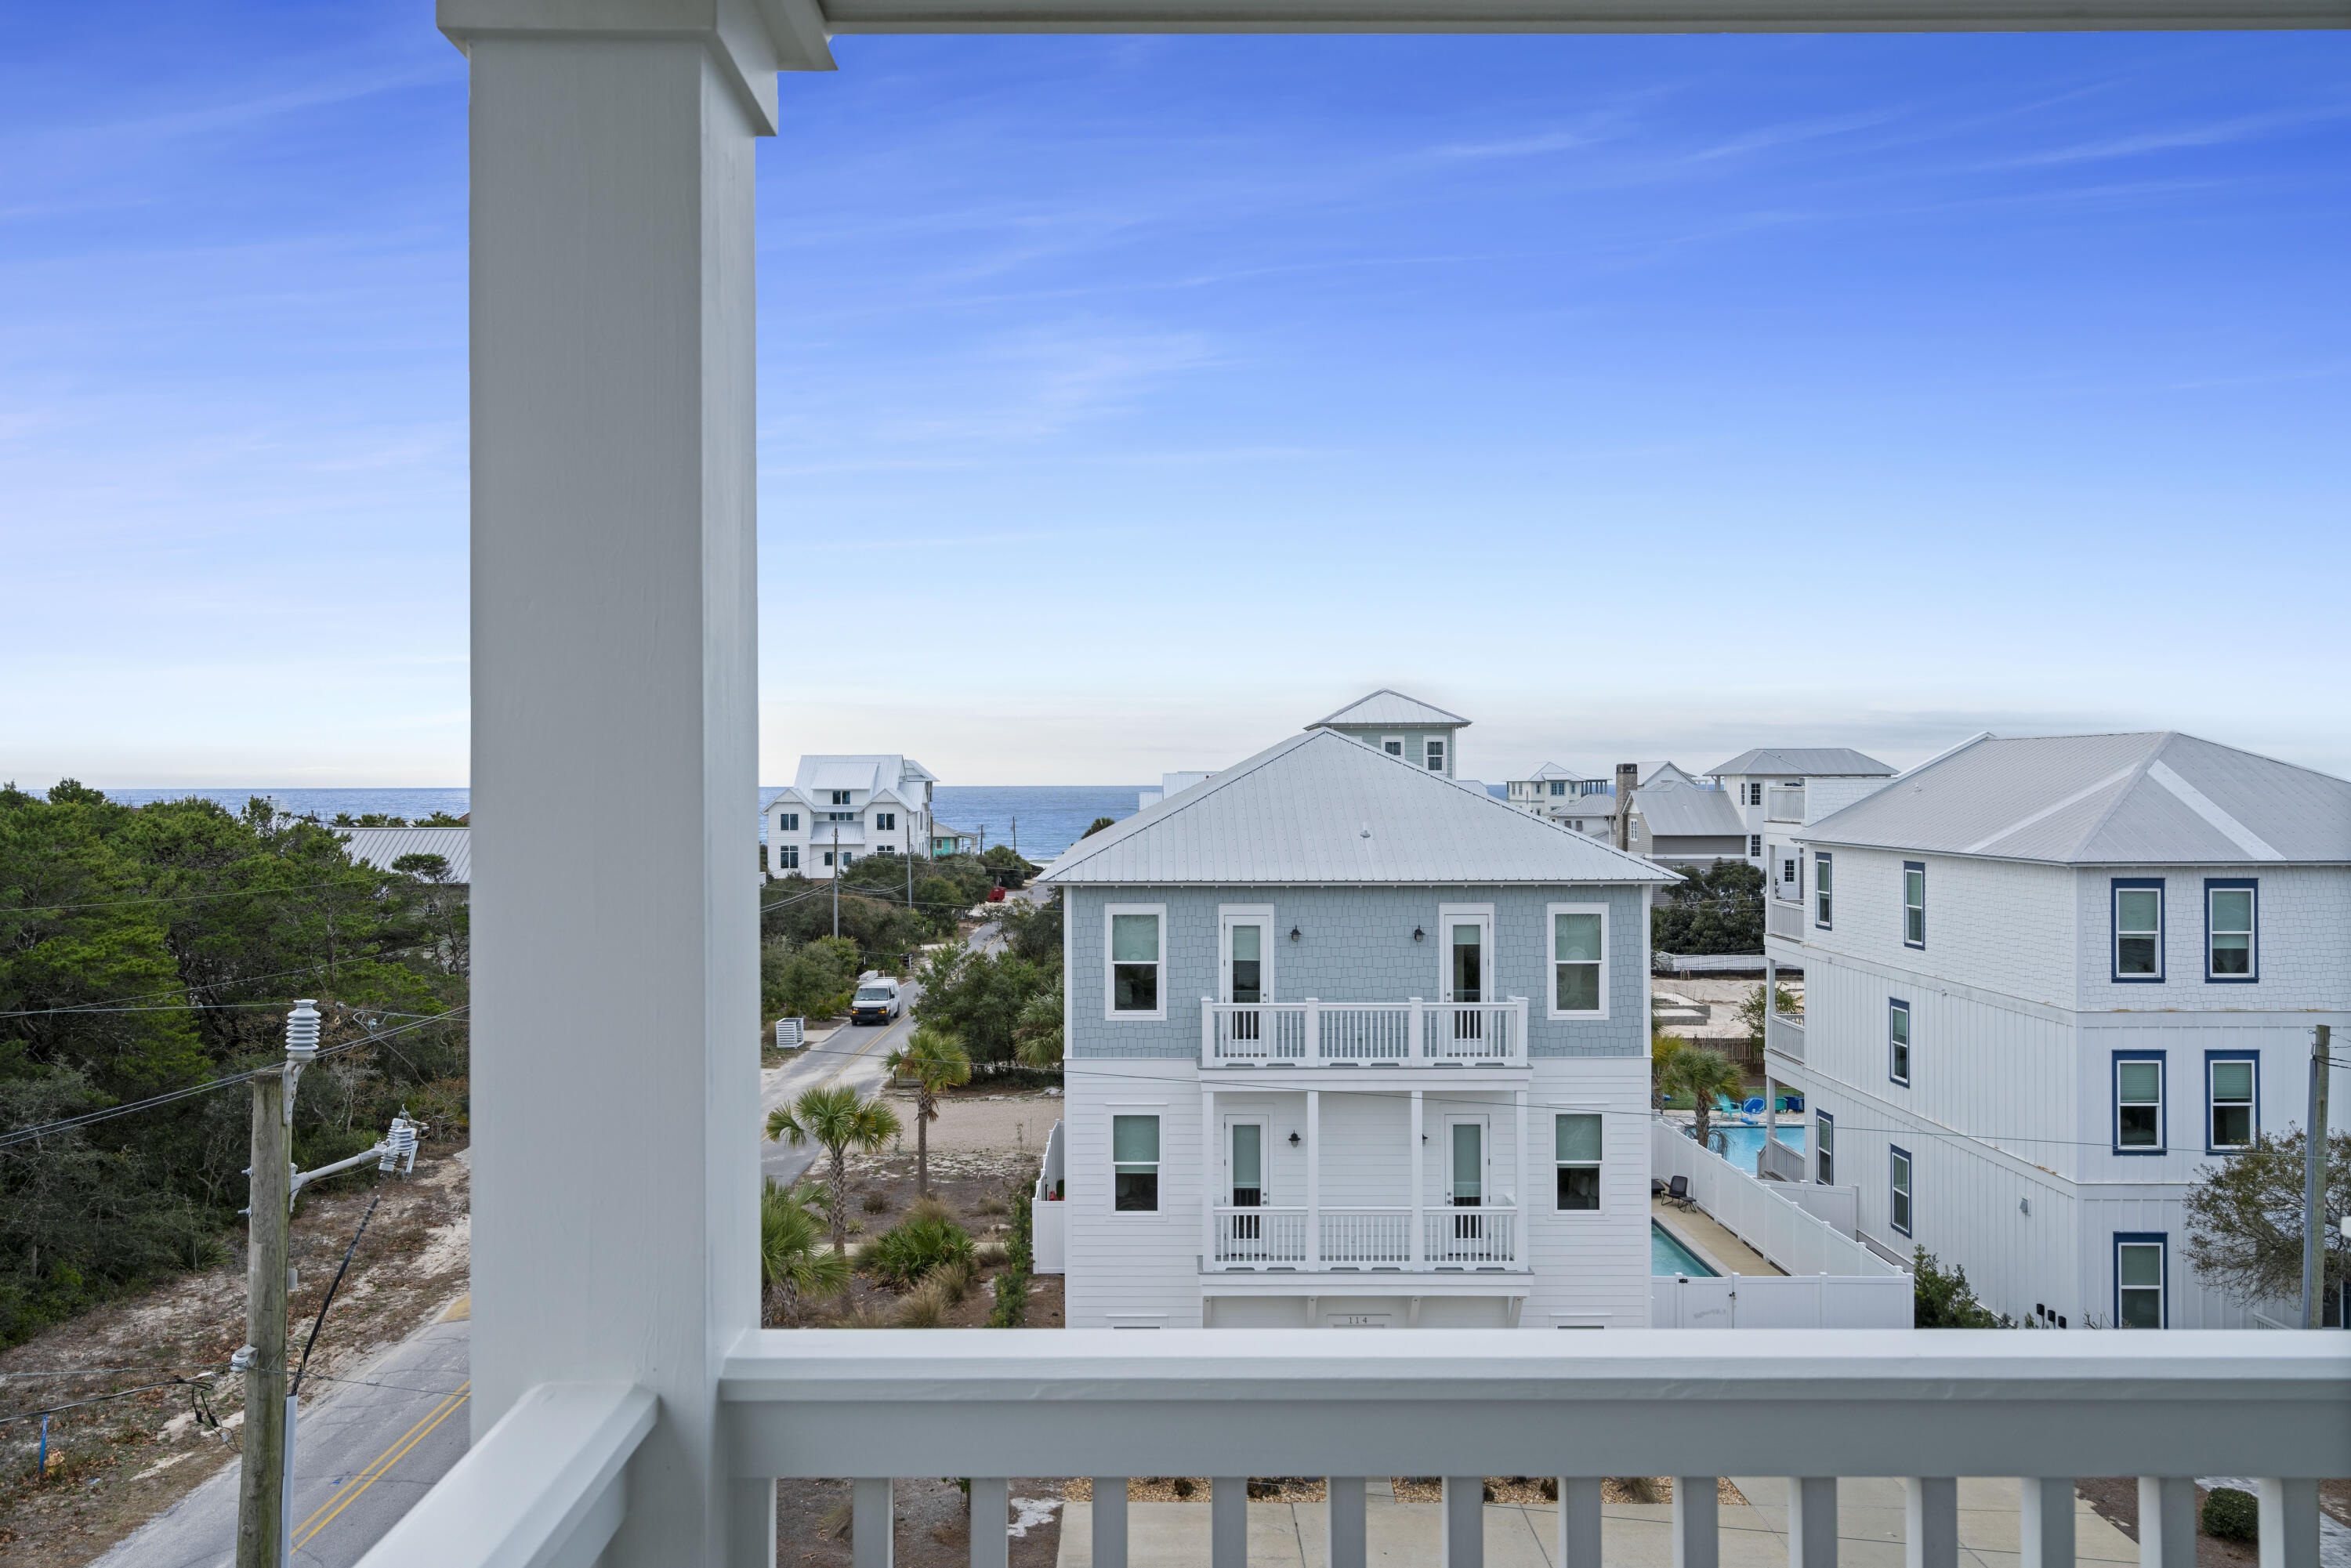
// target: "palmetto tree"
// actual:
[[937, 1061], [793, 1268], [834, 1119], [1703, 1074]]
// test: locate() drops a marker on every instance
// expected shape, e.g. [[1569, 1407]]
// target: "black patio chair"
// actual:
[[1677, 1194]]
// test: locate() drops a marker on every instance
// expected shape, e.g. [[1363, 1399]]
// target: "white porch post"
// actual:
[[1212, 1158], [1812, 1521], [1313, 1178], [1523, 1201], [1418, 1166], [1930, 1521], [2167, 1521], [615, 700]]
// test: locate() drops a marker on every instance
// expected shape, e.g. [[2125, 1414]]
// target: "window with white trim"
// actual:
[[1897, 1188], [1823, 906], [1914, 903], [885, 821], [1579, 960], [1897, 1042], [2138, 930], [1134, 1164], [1392, 745], [1575, 1150], [840, 796], [2230, 1085], [1754, 846], [788, 821], [1137, 951], [1436, 756], [2138, 1104], [1559, 786], [786, 856], [828, 857]]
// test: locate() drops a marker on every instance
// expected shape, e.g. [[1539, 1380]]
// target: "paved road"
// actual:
[[853, 1054], [363, 1455]]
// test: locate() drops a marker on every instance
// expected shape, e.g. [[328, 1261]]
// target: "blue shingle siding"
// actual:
[[1354, 946]]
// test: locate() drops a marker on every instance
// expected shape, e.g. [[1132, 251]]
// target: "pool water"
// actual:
[[1668, 1256], [1740, 1145]]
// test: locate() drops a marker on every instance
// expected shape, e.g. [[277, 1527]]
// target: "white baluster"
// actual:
[[991, 1543], [1930, 1510], [1207, 1029], [1812, 1521], [1415, 1030], [2167, 1521], [2047, 1526], [1228, 1522], [1313, 1178], [873, 1525], [2289, 1523], [1579, 1522], [751, 1524], [1110, 1522], [1313, 1030], [1696, 1544], [1342, 1520], [1464, 1541]]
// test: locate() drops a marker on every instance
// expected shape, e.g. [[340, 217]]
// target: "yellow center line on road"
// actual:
[[383, 1461]]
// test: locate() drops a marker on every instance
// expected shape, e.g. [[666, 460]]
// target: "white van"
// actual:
[[876, 1001]]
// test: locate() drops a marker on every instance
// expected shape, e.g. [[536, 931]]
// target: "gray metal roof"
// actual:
[[1320, 809], [1390, 709], [2159, 797], [378, 847], [1550, 770], [1673, 810], [876, 773], [1806, 762]]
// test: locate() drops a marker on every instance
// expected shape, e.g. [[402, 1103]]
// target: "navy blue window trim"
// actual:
[[2162, 1103], [2114, 929], [2253, 942], [1913, 915], [1897, 1042], [2254, 1057], [1823, 891], [1901, 1200], [1824, 1170], [2161, 1240]]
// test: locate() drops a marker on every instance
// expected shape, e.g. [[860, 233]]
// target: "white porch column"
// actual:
[[2289, 1529], [2167, 1521], [1462, 1540], [2045, 1531], [1110, 1522], [1313, 1178], [1525, 1201], [1579, 1521], [1418, 1166], [1212, 1159], [1697, 1542], [1812, 1521], [614, 701], [1930, 1521]]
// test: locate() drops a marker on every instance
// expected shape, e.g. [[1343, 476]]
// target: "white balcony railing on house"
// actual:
[[1783, 803], [1784, 1035], [1363, 1237], [550, 1483], [1356, 1238], [1312, 1033], [1783, 919]]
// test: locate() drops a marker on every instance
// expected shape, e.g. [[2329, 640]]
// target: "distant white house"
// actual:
[[2047, 983], [1779, 788], [1420, 732], [1587, 805], [1557, 791], [842, 809], [382, 847]]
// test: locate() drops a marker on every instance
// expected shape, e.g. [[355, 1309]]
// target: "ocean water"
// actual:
[[1045, 819]]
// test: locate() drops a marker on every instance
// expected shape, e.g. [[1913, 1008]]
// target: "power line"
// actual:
[[170, 990]]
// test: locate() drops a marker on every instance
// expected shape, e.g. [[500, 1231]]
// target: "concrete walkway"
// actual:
[[1869, 1530], [1702, 1234]]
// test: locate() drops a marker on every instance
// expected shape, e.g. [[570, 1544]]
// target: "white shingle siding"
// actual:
[[2004, 927], [2304, 922]]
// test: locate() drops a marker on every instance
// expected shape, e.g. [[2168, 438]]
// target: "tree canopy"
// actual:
[[1718, 910]]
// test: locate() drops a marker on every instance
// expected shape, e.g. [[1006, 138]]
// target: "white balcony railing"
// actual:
[[1364, 1237], [1786, 920], [1312, 1033], [1784, 1035], [1260, 1238], [1783, 803], [549, 1484], [1470, 1238]]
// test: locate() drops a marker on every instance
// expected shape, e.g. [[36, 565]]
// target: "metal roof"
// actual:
[[1674, 809], [378, 847], [1390, 709], [874, 773], [1550, 770], [2159, 797], [1321, 809], [1807, 761]]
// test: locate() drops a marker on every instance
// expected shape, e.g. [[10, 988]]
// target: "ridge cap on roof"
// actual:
[[1387, 691]]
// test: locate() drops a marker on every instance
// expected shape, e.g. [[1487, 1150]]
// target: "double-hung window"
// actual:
[[2139, 1103], [1576, 1151], [1137, 949], [2139, 1279], [1436, 754], [1826, 1166], [885, 821], [1897, 1037], [840, 798], [786, 856], [1754, 846], [1914, 903], [2138, 930], [1559, 786], [1579, 960], [2231, 1082], [1134, 1164], [2230, 955], [1822, 907], [1897, 1188], [788, 821]]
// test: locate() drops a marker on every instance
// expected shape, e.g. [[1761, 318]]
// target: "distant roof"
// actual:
[[1393, 709], [378, 847], [2157, 798], [1321, 809], [1650, 771], [1676, 809], [860, 772], [1553, 770], [1811, 761]]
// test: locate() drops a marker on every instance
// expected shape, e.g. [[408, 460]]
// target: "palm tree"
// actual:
[[792, 1268], [834, 1119], [1703, 1074], [937, 1061], [1664, 1049]]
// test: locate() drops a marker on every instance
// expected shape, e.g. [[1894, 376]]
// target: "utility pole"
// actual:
[[2314, 1186], [836, 879], [1628, 778], [261, 1500]]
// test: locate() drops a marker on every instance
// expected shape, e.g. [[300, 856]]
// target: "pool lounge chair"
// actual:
[[1677, 1194]]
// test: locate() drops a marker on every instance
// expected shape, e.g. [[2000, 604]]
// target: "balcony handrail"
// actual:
[[542, 1489], [1415, 1032], [1783, 803]]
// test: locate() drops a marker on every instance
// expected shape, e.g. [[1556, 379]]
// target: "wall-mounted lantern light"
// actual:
[[1293, 934], [1293, 1140], [1417, 933]]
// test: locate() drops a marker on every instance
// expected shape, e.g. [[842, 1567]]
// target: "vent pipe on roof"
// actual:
[[1628, 778]]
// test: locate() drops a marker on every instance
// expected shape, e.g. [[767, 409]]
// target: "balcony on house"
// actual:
[[1413, 1033], [1783, 1034], [1783, 803]]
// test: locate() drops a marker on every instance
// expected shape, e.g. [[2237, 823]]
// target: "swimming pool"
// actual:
[[1668, 1256], [1740, 1145]]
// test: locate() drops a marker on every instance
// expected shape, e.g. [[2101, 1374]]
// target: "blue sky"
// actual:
[[1127, 402]]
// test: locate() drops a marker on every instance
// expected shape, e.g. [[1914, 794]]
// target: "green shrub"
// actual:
[[1012, 1285], [1942, 1299], [2232, 1515], [911, 1248]]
